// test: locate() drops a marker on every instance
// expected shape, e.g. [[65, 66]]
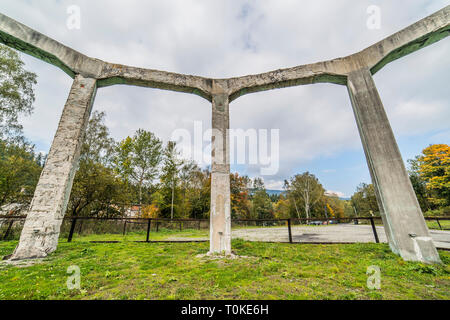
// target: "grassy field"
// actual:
[[445, 224], [130, 270]]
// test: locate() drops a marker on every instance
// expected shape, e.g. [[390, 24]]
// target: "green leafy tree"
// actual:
[[419, 185], [16, 92], [137, 159], [305, 192], [170, 173], [20, 169], [189, 185], [200, 194], [364, 200], [97, 190], [262, 205], [98, 145]]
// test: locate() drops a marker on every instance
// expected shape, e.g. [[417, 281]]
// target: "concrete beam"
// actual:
[[40, 232], [220, 208], [418, 35], [403, 220], [20, 37]]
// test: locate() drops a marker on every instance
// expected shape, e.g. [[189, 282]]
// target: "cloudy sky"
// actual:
[[233, 38]]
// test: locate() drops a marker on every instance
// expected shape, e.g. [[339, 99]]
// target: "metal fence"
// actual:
[[11, 226]]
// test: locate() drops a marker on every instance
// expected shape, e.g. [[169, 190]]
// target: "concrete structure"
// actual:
[[406, 229], [40, 232]]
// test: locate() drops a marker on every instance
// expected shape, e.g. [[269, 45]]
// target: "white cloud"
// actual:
[[274, 184], [335, 193]]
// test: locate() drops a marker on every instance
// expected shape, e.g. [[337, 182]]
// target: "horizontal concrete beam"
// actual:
[[27, 40], [418, 35]]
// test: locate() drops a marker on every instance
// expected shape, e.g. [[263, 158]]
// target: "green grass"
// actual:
[[432, 224], [130, 270], [162, 234]]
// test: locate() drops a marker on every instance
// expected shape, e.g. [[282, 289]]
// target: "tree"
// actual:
[[16, 92], [364, 200], [199, 193], [419, 185], [434, 168], [137, 159], [262, 205], [192, 181], [335, 206], [304, 190], [282, 208], [96, 189], [170, 171], [240, 203], [98, 146], [20, 169]]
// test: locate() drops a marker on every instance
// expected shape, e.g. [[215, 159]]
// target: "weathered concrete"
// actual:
[[220, 227], [393, 193], [41, 229], [403, 220]]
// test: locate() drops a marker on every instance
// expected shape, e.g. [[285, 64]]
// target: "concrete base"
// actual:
[[41, 229], [405, 227]]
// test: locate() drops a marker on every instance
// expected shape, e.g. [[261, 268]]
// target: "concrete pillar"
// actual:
[[403, 220], [41, 229], [220, 228]]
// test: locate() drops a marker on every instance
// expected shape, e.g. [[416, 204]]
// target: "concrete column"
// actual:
[[403, 220], [41, 229], [220, 228]]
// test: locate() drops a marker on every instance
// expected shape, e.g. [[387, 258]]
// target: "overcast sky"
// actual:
[[233, 38]]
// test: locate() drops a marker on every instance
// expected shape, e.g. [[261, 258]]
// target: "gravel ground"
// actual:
[[332, 233]]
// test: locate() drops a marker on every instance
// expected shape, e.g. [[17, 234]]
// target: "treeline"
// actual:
[[303, 197], [140, 170]]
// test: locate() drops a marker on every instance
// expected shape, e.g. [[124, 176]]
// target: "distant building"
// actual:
[[132, 212]]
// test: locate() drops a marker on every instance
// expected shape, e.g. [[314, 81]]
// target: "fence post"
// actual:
[[125, 227], [439, 224], [148, 229], [157, 226], [199, 225], [72, 229], [80, 228], [8, 230], [374, 229], [181, 226], [290, 231]]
